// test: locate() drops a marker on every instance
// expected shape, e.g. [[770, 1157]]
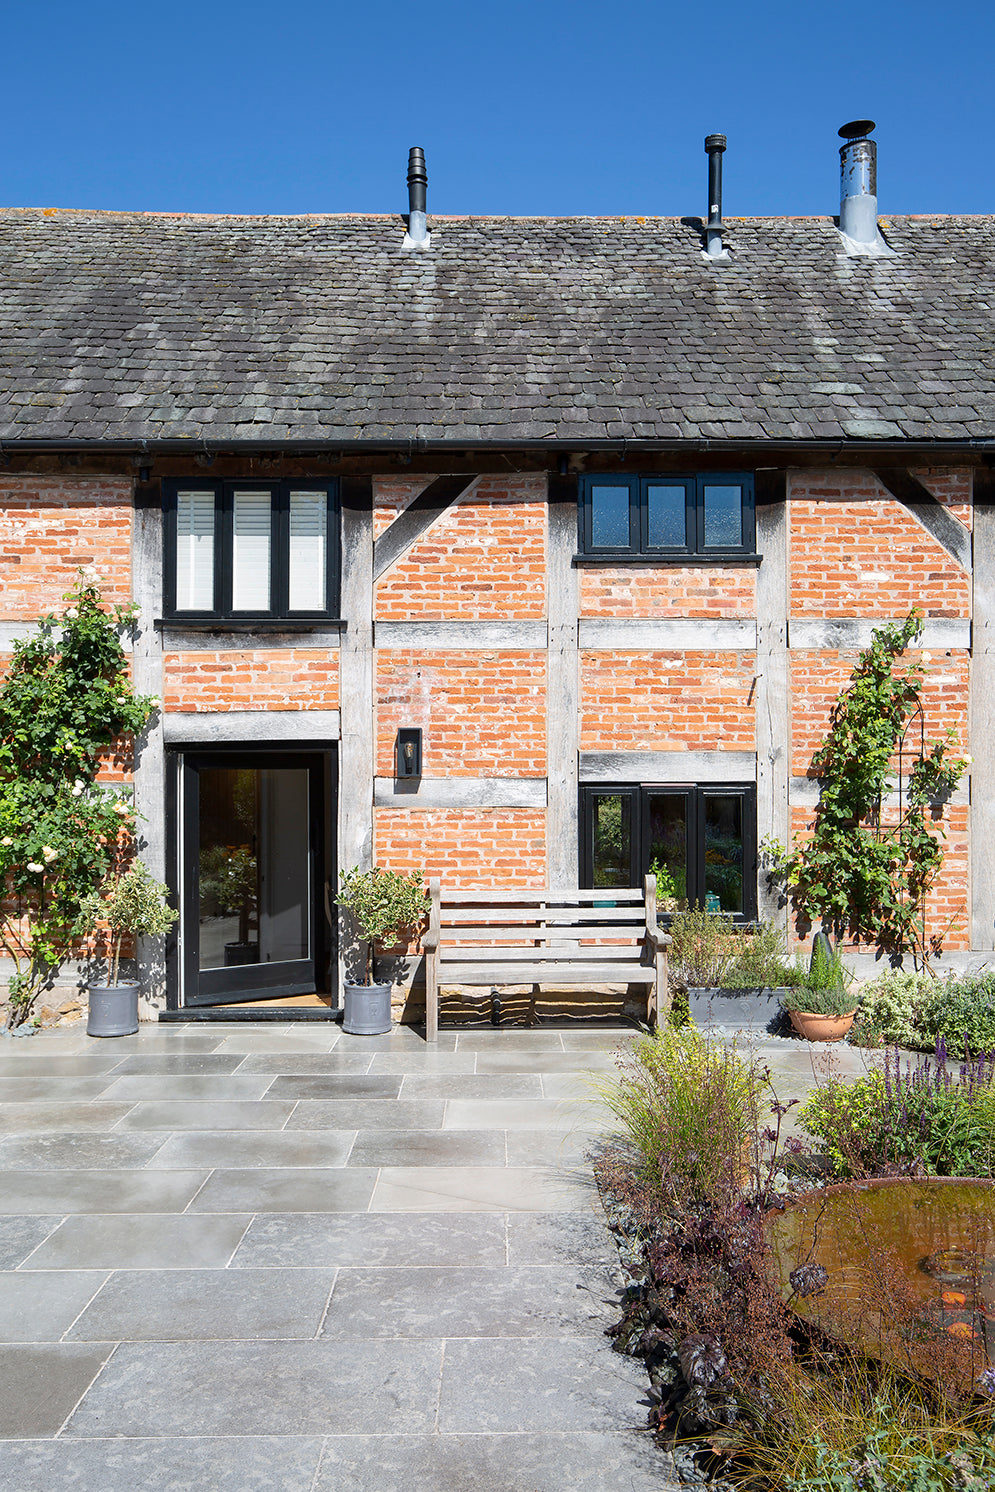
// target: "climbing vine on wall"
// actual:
[[66, 700], [867, 867]]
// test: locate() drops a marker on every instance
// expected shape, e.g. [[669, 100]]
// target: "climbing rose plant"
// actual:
[[857, 873], [66, 700]]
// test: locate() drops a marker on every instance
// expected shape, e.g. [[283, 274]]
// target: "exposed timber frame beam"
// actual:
[[937, 520], [417, 517]]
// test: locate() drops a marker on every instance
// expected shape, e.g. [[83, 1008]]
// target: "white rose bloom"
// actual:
[[35, 867], [71, 614], [6, 840], [121, 808], [926, 657], [49, 854], [78, 789]]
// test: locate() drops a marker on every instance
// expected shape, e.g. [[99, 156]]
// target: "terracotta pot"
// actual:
[[821, 1027]]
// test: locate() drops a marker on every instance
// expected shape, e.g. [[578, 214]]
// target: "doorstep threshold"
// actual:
[[240, 1014]]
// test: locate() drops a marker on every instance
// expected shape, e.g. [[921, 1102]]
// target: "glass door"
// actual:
[[253, 831]]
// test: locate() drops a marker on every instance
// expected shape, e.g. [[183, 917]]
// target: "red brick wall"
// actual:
[[669, 591], [464, 847], [52, 526], [483, 713], [483, 559], [856, 552], [817, 678], [261, 679], [667, 701]]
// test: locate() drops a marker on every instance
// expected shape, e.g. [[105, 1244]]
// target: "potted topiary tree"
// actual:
[[131, 903], [823, 1008], [383, 905]]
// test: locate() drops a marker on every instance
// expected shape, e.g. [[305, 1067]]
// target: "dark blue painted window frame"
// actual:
[[639, 546]]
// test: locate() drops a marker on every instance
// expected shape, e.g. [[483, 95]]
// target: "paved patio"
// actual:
[[284, 1258]]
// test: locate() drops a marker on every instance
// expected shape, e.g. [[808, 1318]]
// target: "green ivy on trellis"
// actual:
[[65, 702], [858, 874]]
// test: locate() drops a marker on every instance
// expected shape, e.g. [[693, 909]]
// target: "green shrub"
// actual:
[[888, 1008], [702, 947], [689, 1107], [825, 986], [384, 903], [961, 1012], [925, 1120], [759, 960]]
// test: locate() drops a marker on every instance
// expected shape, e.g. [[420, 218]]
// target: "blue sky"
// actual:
[[543, 107]]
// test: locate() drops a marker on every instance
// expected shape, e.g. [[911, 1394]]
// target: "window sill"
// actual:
[[262, 624], [673, 561]]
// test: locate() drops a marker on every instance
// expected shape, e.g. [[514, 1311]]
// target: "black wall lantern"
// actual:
[[408, 750]]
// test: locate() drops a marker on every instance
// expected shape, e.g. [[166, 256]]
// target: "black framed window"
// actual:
[[709, 513], [251, 549], [704, 837]]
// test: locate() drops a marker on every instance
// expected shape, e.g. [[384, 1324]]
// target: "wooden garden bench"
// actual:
[[540, 936]]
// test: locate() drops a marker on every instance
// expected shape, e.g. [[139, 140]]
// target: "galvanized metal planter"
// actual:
[[113, 1010]]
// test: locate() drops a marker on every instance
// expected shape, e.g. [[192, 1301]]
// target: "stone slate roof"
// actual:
[[130, 327]]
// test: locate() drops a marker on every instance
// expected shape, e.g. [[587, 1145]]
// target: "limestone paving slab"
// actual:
[[511, 1061], [216, 1087], [173, 1114], [43, 1307], [334, 1085], [516, 1384], [228, 1150], [285, 1190], [189, 1064], [522, 1113], [43, 1089], [473, 1189], [401, 1147], [260, 1388], [204, 1304], [538, 1147], [398, 1240], [249, 1463], [148, 1241], [579, 1461], [300, 1039], [566, 1239], [346, 1113], [318, 1064], [471, 1085], [20, 1236], [36, 1118], [470, 1301], [99, 1191], [49, 1062], [58, 1152], [426, 1061], [43, 1383]]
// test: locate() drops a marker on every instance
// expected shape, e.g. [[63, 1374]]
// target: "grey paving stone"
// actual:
[[44, 1089], [250, 1463], [35, 1118], [560, 1149], [544, 1384], [142, 1241], [42, 1307], [530, 1301], [262, 1388], [78, 1152], [16, 1062], [576, 1462], [99, 1191], [219, 1114], [41, 1384], [426, 1147], [205, 1304], [334, 1086], [400, 1039], [221, 1148], [599, 1041], [560, 1238], [474, 1189], [420, 1113], [551, 1114], [19, 1236], [374, 1239], [509, 1040], [424, 1061], [510, 1061], [312, 1063], [472, 1085], [302, 1038], [304, 1190], [214, 1086], [188, 1062]]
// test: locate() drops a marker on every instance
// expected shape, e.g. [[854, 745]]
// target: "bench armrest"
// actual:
[[430, 938]]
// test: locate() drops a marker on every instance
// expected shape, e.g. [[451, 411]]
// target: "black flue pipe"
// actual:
[[714, 147], [417, 179]]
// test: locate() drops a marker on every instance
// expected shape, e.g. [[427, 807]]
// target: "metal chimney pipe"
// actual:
[[859, 182], [714, 147], [417, 184]]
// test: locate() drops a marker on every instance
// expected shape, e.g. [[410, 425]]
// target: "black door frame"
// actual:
[[182, 971]]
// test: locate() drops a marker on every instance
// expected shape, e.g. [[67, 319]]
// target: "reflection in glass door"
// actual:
[[252, 851]]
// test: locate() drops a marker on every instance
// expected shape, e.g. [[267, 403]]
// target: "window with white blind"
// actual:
[[251, 549]]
